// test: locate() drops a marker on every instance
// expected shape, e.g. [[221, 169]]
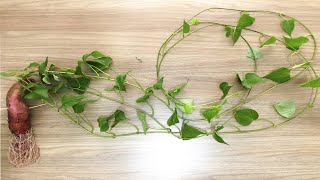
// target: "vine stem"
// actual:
[[252, 52], [216, 101], [259, 95], [31, 107], [160, 60], [68, 115], [135, 108], [163, 51]]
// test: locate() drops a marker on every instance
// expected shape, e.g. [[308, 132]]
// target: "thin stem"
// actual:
[[252, 52], [216, 101], [135, 108], [215, 23]]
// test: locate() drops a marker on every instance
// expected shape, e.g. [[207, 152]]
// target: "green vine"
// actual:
[[53, 85]]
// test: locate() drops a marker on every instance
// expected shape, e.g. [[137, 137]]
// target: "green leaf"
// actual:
[[252, 79], [295, 43], [143, 120], [229, 31], [120, 82], [29, 87], [93, 54], [32, 65], [280, 75], [218, 128], [148, 92], [40, 92], [55, 77], [46, 79], [249, 80], [313, 83], [79, 107], [286, 108], [173, 118], [236, 34], [98, 62], [103, 124], [195, 21], [186, 27], [288, 26], [69, 100], [225, 88], [78, 85], [211, 113], [9, 73], [245, 20], [61, 87], [271, 40], [118, 116], [79, 69], [144, 98], [187, 106], [257, 54], [190, 132], [43, 66], [52, 67], [217, 137], [158, 85], [173, 92], [245, 116]]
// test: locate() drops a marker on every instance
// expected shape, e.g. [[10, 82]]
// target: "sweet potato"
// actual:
[[18, 111], [23, 149]]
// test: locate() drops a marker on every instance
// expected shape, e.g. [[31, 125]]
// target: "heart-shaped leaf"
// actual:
[[257, 54], [229, 31], [225, 88], [313, 83], [158, 85], [173, 92], [186, 105], [173, 118], [79, 107], [211, 113], [97, 61], [189, 132], [249, 80], [69, 101], [245, 116], [271, 40], [245, 20], [120, 82], [280, 75], [288, 26], [78, 85], [216, 135], [186, 27], [286, 108], [143, 120], [295, 43]]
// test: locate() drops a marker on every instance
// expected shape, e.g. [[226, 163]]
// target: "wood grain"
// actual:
[[64, 30]]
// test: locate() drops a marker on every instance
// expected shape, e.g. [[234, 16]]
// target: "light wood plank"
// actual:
[[64, 30]]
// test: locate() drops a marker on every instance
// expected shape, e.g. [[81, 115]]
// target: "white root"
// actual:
[[23, 150]]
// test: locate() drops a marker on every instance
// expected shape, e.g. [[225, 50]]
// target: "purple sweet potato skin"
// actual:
[[18, 111]]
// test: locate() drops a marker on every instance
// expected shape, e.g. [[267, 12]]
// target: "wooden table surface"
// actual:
[[65, 30]]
